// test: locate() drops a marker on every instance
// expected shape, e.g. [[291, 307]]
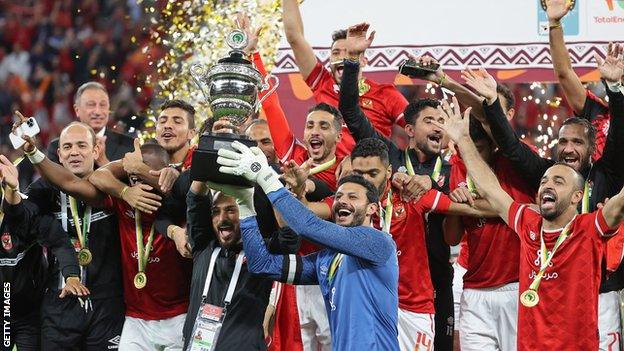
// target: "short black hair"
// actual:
[[329, 109], [338, 35], [580, 180], [157, 151], [477, 132], [181, 104], [504, 91], [371, 192], [413, 109], [371, 147], [590, 130]]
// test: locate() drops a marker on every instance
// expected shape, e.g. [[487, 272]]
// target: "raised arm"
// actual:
[[363, 242], [572, 87], [486, 183], [525, 160], [613, 210], [611, 72], [293, 28]]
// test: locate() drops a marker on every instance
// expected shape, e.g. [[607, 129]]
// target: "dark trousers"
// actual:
[[24, 332], [66, 325]]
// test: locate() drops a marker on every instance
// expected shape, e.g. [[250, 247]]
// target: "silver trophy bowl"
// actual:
[[231, 87]]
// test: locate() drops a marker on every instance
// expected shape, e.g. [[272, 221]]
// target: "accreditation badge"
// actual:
[[207, 328]]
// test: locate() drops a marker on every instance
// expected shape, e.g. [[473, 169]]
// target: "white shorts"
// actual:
[[143, 335], [489, 318], [458, 287], [609, 322], [416, 331], [315, 332]]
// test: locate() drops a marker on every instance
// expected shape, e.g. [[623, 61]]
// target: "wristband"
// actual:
[[36, 156], [123, 191], [553, 26]]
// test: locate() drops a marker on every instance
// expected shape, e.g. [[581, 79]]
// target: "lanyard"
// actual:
[[83, 233], [333, 267], [233, 280], [545, 258], [585, 202], [143, 250], [323, 167], [385, 216], [436, 169]]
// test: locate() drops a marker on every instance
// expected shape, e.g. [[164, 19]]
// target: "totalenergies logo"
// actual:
[[611, 4]]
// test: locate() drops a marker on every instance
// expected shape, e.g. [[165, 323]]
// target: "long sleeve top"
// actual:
[[357, 273]]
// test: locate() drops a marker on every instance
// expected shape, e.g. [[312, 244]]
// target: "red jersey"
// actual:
[[407, 228], [383, 104], [166, 294], [462, 257], [566, 317], [494, 248]]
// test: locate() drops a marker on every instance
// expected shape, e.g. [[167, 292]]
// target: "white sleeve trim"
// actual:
[[292, 268], [517, 218]]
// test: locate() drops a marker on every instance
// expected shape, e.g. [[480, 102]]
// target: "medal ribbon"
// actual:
[[83, 233], [363, 87], [142, 249], [545, 258], [436, 169], [385, 216], [333, 267], [323, 167], [585, 202]]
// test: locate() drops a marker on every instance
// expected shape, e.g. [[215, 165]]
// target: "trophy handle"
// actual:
[[267, 85], [197, 72]]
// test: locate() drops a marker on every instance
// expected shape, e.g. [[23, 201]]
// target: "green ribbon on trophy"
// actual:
[[436, 169], [82, 230], [143, 250], [530, 298]]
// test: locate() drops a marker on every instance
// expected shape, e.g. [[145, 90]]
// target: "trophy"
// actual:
[[231, 88]]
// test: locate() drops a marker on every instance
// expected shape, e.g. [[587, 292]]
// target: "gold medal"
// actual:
[[529, 298], [140, 280], [84, 257]]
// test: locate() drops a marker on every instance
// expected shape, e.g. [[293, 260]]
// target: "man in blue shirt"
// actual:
[[358, 270]]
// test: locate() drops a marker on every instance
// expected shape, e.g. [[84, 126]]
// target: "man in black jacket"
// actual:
[[422, 161], [92, 107], [221, 237], [23, 267]]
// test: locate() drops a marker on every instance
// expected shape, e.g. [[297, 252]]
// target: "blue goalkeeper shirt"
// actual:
[[358, 274]]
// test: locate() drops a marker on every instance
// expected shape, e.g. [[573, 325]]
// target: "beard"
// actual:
[[358, 218]]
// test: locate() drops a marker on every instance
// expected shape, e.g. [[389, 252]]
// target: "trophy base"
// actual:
[[205, 166]]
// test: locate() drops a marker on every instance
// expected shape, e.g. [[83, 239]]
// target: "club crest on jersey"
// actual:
[[532, 235], [367, 103], [441, 179], [7, 243]]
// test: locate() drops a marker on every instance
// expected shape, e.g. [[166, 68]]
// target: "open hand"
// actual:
[[296, 176], [557, 9], [462, 195], [612, 68], [243, 23], [73, 286], [357, 42], [140, 197], [455, 125], [482, 83]]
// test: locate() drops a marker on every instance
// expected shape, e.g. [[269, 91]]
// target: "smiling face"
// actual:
[[93, 108], [320, 136], [351, 207], [558, 191], [172, 129], [225, 221], [77, 151], [574, 147], [424, 135]]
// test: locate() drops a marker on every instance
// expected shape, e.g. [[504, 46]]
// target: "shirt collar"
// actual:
[[101, 132]]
